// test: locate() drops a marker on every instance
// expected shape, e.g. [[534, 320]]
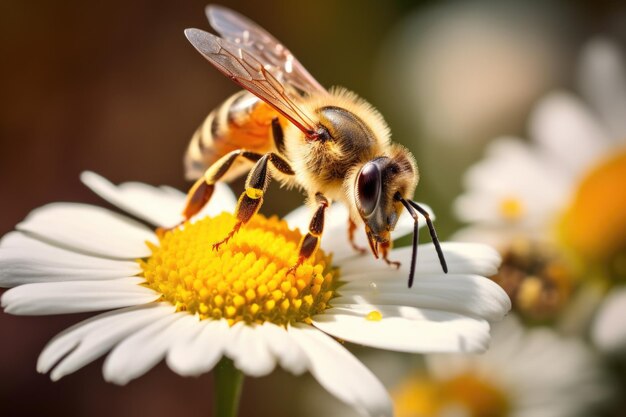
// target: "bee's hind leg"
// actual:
[[202, 190], [197, 197], [311, 241], [251, 199]]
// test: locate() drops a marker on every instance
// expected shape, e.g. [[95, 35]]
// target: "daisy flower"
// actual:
[[171, 297], [525, 373], [555, 206]]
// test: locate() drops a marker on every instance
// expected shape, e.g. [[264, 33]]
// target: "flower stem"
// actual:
[[228, 383]]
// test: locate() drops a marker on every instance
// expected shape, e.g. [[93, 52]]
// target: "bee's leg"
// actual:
[[201, 192], [278, 135], [351, 229], [384, 250], [311, 241], [251, 199]]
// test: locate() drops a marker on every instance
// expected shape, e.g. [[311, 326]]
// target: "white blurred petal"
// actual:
[[542, 371], [160, 206], [25, 260], [568, 132], [609, 328], [76, 296], [512, 170], [342, 374], [249, 351], [89, 229], [602, 79], [201, 350], [471, 295], [137, 354], [284, 348], [88, 340]]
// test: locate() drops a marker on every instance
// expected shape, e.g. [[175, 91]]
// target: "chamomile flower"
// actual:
[[170, 296], [525, 373], [556, 206]]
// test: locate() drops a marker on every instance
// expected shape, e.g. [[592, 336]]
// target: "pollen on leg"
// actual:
[[248, 279]]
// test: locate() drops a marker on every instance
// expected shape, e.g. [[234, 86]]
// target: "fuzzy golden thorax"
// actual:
[[356, 133]]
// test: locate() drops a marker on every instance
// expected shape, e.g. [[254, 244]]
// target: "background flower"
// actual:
[[537, 193]]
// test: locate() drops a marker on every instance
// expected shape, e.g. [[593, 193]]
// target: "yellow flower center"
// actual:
[[247, 279], [594, 225], [468, 393], [511, 208], [539, 281]]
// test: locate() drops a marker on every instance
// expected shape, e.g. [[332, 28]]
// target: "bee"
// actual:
[[285, 126]]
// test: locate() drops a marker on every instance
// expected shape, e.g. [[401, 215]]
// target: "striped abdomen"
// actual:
[[241, 122]]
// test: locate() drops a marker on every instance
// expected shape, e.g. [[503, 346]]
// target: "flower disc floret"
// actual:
[[247, 279]]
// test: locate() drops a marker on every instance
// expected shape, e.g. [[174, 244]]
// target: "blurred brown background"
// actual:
[[116, 88]]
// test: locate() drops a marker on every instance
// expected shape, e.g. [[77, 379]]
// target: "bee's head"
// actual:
[[376, 185]]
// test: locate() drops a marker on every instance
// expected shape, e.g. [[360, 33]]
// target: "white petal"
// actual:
[[89, 229], [249, 350], [471, 295], [494, 236], [602, 79], [201, 350], [284, 348], [609, 328], [161, 206], [144, 349], [92, 338], [342, 374], [462, 258], [156, 206], [568, 132], [76, 296], [406, 329], [25, 260], [514, 170]]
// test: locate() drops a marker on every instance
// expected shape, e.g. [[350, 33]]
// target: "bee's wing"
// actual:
[[246, 69], [277, 59]]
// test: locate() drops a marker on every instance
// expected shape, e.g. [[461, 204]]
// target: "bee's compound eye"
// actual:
[[368, 189]]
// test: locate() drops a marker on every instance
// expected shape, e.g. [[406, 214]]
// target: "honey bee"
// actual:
[[284, 125]]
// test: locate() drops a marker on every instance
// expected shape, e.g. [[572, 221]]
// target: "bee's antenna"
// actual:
[[433, 235], [416, 232]]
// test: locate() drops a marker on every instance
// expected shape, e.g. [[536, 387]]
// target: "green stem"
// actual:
[[228, 383]]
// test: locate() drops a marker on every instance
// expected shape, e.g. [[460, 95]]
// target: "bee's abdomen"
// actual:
[[242, 122]]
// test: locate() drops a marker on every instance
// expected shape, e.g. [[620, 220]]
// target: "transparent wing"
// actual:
[[277, 59], [245, 69]]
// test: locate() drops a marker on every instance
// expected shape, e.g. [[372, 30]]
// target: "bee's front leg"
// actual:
[[351, 229], [385, 248], [251, 199], [311, 241]]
